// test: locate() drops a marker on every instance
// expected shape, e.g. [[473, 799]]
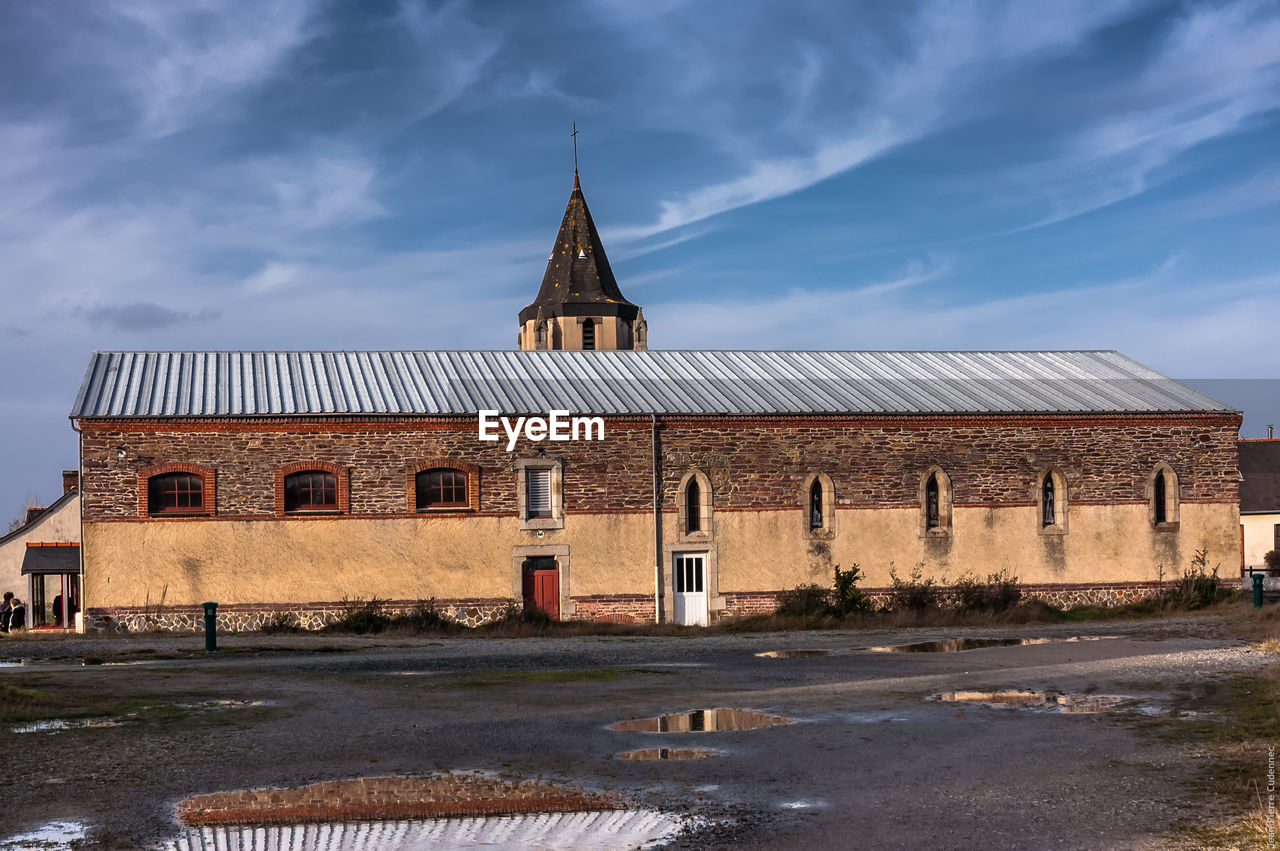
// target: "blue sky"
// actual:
[[306, 174]]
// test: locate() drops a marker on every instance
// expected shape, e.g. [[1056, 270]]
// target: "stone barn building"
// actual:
[[696, 485], [290, 481]]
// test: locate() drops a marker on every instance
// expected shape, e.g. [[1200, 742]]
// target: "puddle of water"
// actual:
[[223, 704], [1064, 703], [457, 795], [959, 645], [800, 805], [870, 717], [57, 724], [17, 664], [667, 753], [608, 829], [54, 835], [792, 654], [702, 721]]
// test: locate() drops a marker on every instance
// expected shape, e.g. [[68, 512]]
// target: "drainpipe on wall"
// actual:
[[657, 523], [80, 496]]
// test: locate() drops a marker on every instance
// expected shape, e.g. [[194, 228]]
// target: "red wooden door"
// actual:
[[542, 590]]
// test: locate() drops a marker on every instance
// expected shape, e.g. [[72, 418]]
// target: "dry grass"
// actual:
[[1242, 721]]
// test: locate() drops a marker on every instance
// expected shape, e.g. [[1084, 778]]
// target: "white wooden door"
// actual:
[[689, 573]]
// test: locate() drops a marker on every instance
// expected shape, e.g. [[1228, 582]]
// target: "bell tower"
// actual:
[[579, 305]]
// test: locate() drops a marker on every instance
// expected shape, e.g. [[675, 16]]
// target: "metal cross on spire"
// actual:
[[574, 134]]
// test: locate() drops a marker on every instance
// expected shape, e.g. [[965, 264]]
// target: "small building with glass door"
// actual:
[[40, 562]]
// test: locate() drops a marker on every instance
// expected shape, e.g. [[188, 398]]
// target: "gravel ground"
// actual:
[[871, 762]]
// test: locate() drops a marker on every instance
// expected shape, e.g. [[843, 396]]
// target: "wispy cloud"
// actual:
[[1216, 69], [450, 53], [953, 55], [180, 60]]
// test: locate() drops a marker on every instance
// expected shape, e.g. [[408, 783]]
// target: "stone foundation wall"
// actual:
[[740, 605], [254, 616], [624, 608]]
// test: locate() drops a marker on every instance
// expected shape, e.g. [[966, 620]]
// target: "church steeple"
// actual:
[[579, 305]]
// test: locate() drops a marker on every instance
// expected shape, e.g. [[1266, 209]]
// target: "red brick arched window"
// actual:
[[312, 487], [442, 484], [176, 489]]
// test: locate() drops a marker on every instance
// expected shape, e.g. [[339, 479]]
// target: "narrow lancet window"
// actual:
[[932, 516], [1158, 498], [588, 335], [1048, 513], [815, 505], [693, 506]]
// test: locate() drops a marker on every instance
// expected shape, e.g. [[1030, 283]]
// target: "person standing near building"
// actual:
[[17, 615], [6, 613]]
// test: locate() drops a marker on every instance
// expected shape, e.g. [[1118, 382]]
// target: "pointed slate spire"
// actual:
[[578, 272]]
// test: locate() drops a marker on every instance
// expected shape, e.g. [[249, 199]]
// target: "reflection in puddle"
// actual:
[[957, 645], [702, 721], [870, 717], [792, 654], [668, 753], [17, 664], [64, 724], [56, 724], [223, 704], [55, 836], [1065, 703], [374, 798], [564, 830], [800, 805]]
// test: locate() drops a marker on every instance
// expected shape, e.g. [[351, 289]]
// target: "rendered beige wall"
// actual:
[[1259, 537], [611, 333], [1103, 544], [301, 561], [62, 524]]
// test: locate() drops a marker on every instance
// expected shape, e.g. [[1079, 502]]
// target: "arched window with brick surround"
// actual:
[[935, 502], [312, 487], [695, 506], [1162, 497], [442, 484], [175, 489]]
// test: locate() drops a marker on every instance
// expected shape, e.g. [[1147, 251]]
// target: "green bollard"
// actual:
[[210, 627], [1257, 590]]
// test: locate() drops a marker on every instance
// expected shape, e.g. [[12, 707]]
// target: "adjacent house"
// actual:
[[40, 561], [1259, 500]]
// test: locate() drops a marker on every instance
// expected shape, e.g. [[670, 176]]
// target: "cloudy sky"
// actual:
[[309, 174]]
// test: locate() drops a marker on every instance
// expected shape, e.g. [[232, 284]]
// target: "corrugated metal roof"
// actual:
[[218, 384]]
